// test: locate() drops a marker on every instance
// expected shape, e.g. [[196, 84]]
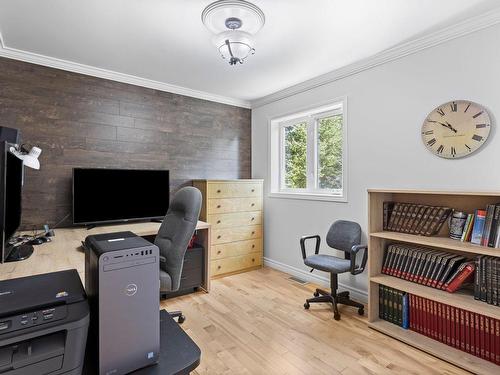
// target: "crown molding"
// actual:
[[399, 51], [52, 62]]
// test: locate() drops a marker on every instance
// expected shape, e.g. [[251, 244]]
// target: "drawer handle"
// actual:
[[253, 190], [218, 206], [253, 218], [218, 267], [218, 221], [253, 232], [219, 236], [253, 204], [253, 246], [253, 259], [218, 191], [218, 252]]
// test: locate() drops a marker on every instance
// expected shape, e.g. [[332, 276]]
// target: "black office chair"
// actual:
[[345, 236], [173, 238]]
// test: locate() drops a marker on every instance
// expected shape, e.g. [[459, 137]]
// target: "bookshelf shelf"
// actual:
[[457, 357], [461, 299], [378, 241], [440, 242]]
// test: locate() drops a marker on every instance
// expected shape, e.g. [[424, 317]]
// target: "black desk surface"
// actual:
[[179, 354]]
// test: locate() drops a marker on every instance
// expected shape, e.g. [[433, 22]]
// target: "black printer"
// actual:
[[44, 321]]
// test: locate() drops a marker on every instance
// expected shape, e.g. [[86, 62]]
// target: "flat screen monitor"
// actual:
[[117, 195], [11, 178]]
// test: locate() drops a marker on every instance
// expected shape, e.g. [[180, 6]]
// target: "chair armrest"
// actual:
[[303, 244], [163, 259], [354, 251]]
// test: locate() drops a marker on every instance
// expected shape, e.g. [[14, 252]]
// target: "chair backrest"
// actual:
[[343, 235], [176, 231]]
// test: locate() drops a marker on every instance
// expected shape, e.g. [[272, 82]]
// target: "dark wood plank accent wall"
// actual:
[[82, 121]]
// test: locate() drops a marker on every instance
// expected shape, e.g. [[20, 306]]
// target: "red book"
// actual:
[[486, 338], [467, 331], [419, 315], [448, 323], [434, 318], [492, 340], [440, 321], [467, 275], [481, 337], [452, 326], [472, 331], [427, 330], [412, 312], [477, 335], [497, 341], [457, 328], [462, 330]]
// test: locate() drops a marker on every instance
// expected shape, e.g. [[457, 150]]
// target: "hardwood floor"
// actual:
[[254, 323]]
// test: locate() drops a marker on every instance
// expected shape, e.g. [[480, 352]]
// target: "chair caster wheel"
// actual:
[[336, 316], [316, 294], [181, 319], [361, 311], [306, 305]]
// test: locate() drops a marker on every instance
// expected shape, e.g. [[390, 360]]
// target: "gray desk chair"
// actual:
[[345, 236], [173, 238]]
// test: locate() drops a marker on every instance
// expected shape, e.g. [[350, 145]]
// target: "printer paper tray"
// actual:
[[38, 356]]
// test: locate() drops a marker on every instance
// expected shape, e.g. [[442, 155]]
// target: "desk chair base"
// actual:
[[334, 298], [173, 314]]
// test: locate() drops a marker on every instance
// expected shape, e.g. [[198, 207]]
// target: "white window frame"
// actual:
[[276, 151]]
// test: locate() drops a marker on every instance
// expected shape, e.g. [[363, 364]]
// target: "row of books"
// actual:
[[470, 332], [393, 306], [487, 279], [473, 333], [414, 218], [482, 227], [426, 266]]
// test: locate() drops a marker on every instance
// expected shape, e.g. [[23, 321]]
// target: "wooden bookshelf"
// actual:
[[378, 241]]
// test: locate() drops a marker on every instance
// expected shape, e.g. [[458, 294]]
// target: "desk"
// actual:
[[179, 354], [65, 251]]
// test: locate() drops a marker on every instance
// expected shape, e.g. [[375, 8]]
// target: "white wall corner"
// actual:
[[401, 50], [356, 294], [52, 62]]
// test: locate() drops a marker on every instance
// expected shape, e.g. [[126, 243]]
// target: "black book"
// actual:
[[494, 281], [396, 210], [489, 280], [392, 260], [409, 259], [401, 260], [453, 264], [421, 264], [399, 306], [494, 226], [408, 216], [431, 268], [388, 207], [477, 278], [425, 266], [482, 282], [423, 220], [381, 302], [390, 309], [436, 267], [490, 211], [401, 218], [444, 263], [414, 267]]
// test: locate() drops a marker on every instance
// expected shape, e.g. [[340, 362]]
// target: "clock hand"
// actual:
[[451, 127], [443, 124]]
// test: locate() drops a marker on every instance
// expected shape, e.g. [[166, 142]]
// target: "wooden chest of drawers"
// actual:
[[234, 209]]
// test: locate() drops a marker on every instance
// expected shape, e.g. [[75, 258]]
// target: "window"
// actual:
[[308, 154]]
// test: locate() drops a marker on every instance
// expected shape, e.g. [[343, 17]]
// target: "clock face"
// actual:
[[456, 129]]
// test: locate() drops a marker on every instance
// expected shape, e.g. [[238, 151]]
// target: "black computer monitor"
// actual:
[[11, 181]]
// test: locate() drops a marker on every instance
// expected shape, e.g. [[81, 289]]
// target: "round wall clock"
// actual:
[[456, 129]]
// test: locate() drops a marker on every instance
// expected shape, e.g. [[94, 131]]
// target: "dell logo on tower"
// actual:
[[131, 289]]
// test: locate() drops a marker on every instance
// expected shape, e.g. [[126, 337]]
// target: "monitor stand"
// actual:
[[20, 252]]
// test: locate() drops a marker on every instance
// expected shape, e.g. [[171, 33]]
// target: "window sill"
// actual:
[[308, 196]]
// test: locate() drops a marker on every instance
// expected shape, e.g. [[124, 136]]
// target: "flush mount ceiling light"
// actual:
[[234, 23]]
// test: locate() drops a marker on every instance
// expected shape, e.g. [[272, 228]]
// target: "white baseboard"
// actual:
[[357, 294]]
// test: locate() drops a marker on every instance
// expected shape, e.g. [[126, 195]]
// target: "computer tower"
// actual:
[[122, 284]]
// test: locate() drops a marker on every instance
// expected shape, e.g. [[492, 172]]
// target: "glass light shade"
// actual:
[[241, 44]]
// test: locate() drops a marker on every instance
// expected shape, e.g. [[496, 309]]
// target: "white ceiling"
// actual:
[[165, 41]]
